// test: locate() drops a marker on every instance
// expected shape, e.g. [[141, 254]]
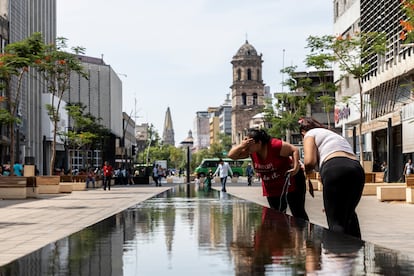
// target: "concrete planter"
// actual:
[[48, 184], [13, 187]]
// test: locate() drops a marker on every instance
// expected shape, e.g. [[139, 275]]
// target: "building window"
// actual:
[[249, 74], [254, 98], [244, 99], [238, 74]]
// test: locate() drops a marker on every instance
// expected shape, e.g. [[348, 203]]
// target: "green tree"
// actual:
[[348, 53], [83, 133], [56, 66], [290, 106], [15, 62]]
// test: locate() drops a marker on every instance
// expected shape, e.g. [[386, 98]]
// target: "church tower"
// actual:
[[168, 134], [247, 90]]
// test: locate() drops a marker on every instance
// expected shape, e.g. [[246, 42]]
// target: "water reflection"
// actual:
[[189, 231]]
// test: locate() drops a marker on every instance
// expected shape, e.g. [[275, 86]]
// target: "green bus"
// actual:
[[237, 166]]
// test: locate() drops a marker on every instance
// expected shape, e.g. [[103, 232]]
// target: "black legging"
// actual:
[[296, 199], [343, 180]]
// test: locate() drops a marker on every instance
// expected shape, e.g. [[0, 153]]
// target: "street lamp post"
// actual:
[[188, 142]]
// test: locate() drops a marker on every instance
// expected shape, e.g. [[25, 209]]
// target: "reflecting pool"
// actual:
[[189, 231]]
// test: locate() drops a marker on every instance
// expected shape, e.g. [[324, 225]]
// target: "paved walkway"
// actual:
[[27, 225]]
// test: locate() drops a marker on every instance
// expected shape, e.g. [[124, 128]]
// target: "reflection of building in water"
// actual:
[[242, 246]]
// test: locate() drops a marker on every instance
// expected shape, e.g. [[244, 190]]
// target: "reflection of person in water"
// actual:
[[340, 253], [276, 240]]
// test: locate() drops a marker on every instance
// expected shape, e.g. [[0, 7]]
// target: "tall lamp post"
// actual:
[[188, 143]]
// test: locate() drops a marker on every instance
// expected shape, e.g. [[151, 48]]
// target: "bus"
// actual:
[[237, 166]]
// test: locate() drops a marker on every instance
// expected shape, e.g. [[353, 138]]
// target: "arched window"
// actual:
[[244, 99], [254, 98], [249, 74], [238, 74]]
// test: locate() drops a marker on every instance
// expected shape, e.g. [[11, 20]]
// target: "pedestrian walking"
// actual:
[[155, 174], [223, 171], [249, 174]]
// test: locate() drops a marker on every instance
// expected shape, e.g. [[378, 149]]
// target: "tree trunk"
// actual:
[[12, 138], [53, 157]]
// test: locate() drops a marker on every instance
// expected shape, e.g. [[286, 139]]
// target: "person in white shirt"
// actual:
[[408, 169], [223, 171], [342, 175]]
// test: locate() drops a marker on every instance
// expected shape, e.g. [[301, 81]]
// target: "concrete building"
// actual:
[[201, 133], [102, 93], [214, 125], [19, 19], [224, 114], [387, 89]]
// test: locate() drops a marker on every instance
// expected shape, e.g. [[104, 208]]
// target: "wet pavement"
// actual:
[[27, 225]]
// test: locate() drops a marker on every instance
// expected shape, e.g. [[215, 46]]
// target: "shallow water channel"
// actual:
[[189, 231]]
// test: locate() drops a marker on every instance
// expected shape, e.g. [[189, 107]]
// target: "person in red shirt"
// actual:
[[107, 173], [277, 163]]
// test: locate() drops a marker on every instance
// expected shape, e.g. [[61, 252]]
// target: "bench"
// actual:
[[13, 187], [389, 193], [409, 180], [48, 184], [370, 177], [371, 188], [66, 178], [32, 190]]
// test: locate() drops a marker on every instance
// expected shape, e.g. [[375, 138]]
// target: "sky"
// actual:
[[178, 53]]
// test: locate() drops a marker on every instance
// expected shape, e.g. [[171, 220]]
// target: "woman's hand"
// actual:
[[242, 150]]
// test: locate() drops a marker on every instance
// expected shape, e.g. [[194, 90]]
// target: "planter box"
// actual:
[[370, 177], [79, 186], [32, 191], [13, 187], [385, 193], [65, 187], [48, 184], [409, 195], [409, 181]]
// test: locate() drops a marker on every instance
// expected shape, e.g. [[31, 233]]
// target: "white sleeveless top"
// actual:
[[328, 142]]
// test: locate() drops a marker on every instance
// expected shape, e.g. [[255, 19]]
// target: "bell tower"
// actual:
[[247, 90]]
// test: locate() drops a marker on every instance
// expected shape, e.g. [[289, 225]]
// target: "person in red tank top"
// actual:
[[277, 163], [107, 173]]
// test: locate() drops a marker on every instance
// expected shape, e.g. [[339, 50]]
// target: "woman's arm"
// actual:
[[242, 150], [311, 154], [288, 150]]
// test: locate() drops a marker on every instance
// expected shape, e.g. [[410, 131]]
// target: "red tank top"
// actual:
[[273, 169]]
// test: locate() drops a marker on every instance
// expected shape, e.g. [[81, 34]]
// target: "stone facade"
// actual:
[[247, 90]]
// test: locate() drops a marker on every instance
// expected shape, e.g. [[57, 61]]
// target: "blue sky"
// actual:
[[177, 53]]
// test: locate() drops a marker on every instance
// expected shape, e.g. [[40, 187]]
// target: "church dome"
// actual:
[[246, 50]]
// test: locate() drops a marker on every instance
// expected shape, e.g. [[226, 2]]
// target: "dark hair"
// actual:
[[258, 135], [307, 123]]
